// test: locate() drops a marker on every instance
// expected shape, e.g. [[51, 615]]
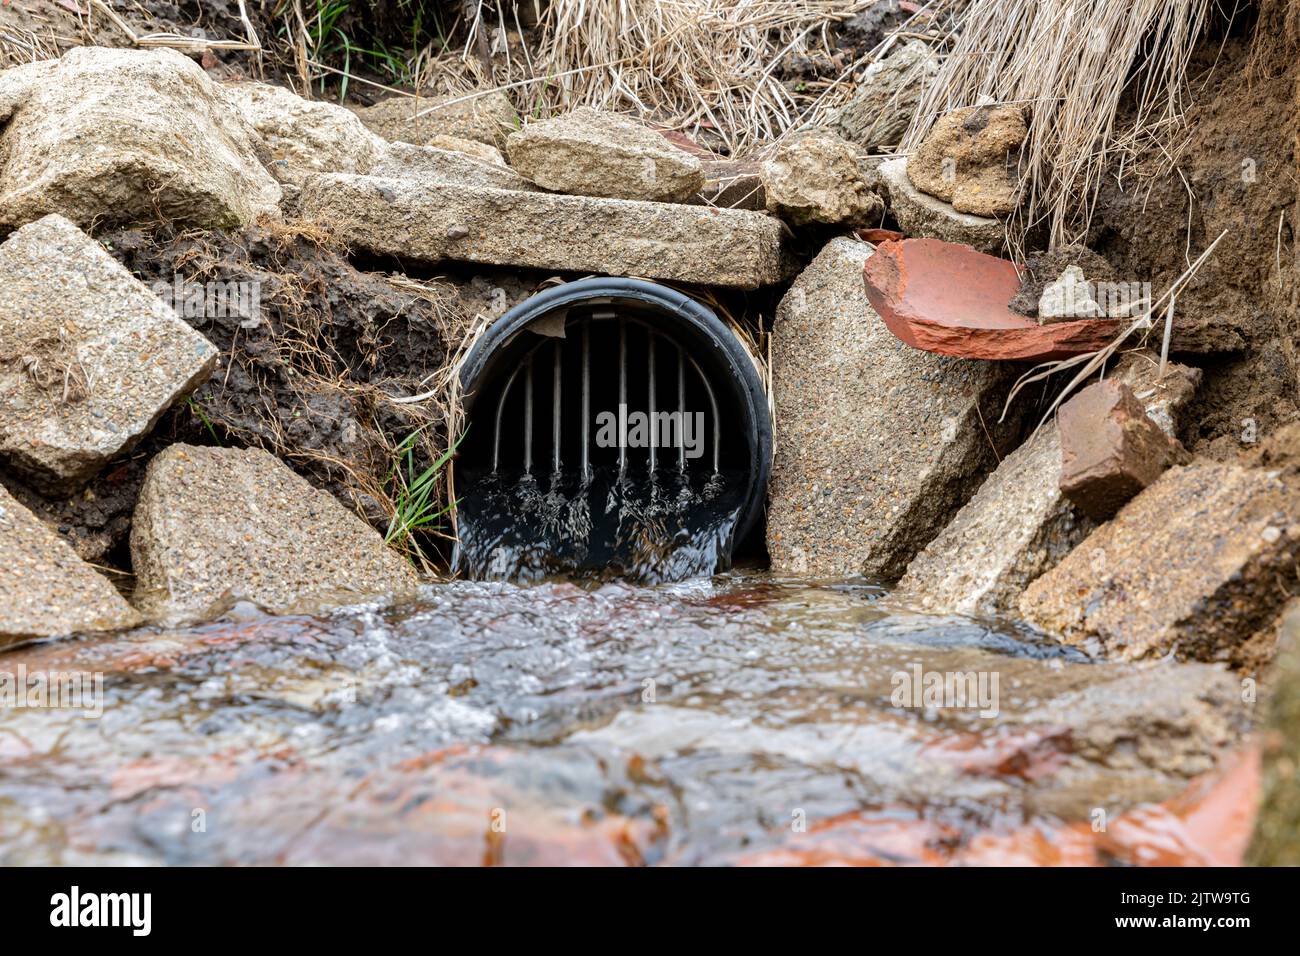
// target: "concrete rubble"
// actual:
[[723, 247], [126, 136], [456, 144], [1191, 567], [590, 152], [89, 356], [926, 217], [877, 444], [305, 135], [45, 589], [1042, 269], [969, 159], [433, 164], [1069, 297], [817, 178], [886, 97], [1019, 525], [218, 525], [485, 118]]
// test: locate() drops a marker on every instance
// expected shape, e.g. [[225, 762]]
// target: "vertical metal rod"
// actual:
[[713, 403], [622, 395], [681, 411], [654, 431], [501, 407], [586, 400], [528, 415], [556, 388]]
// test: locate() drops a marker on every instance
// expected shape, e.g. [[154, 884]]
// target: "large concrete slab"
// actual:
[[222, 524], [89, 357], [877, 444], [1193, 566], [45, 589], [436, 221], [1020, 524], [590, 152]]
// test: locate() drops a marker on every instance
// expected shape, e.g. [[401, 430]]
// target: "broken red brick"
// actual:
[[947, 298], [1110, 448]]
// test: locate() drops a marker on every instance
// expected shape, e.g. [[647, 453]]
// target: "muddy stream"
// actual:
[[735, 719]]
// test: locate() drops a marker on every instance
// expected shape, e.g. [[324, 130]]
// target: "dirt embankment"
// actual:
[[1236, 172]]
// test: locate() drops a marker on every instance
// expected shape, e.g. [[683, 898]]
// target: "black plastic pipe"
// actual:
[[712, 346]]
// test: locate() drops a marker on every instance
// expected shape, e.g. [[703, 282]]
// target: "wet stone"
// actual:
[[402, 734]]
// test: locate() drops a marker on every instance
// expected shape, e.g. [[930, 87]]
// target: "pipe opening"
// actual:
[[616, 428]]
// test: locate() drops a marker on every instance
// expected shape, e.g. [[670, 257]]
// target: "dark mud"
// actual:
[[310, 375]]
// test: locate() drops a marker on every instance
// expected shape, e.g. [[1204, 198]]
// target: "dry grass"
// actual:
[[1071, 63], [305, 352], [695, 65]]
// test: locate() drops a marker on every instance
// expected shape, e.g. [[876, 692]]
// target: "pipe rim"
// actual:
[[739, 365]]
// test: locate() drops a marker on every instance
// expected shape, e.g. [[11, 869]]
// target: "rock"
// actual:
[[1110, 449], [589, 152], [1043, 268], [969, 159], [1174, 718], [945, 297], [877, 444], [45, 589], [445, 167], [124, 136], [486, 118], [1069, 297], [1019, 524], [725, 247], [1192, 566], [89, 357], [305, 135], [220, 524], [924, 216], [1276, 841], [456, 144], [887, 96], [815, 178]]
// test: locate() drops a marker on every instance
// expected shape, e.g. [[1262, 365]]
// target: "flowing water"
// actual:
[[629, 524], [733, 719]]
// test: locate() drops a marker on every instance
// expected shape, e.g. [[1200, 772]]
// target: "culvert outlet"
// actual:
[[615, 427]]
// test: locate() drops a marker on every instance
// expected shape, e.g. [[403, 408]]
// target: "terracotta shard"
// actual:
[[947, 298]]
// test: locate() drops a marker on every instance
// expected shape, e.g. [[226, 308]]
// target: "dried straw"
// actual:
[[692, 64], [1070, 63]]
